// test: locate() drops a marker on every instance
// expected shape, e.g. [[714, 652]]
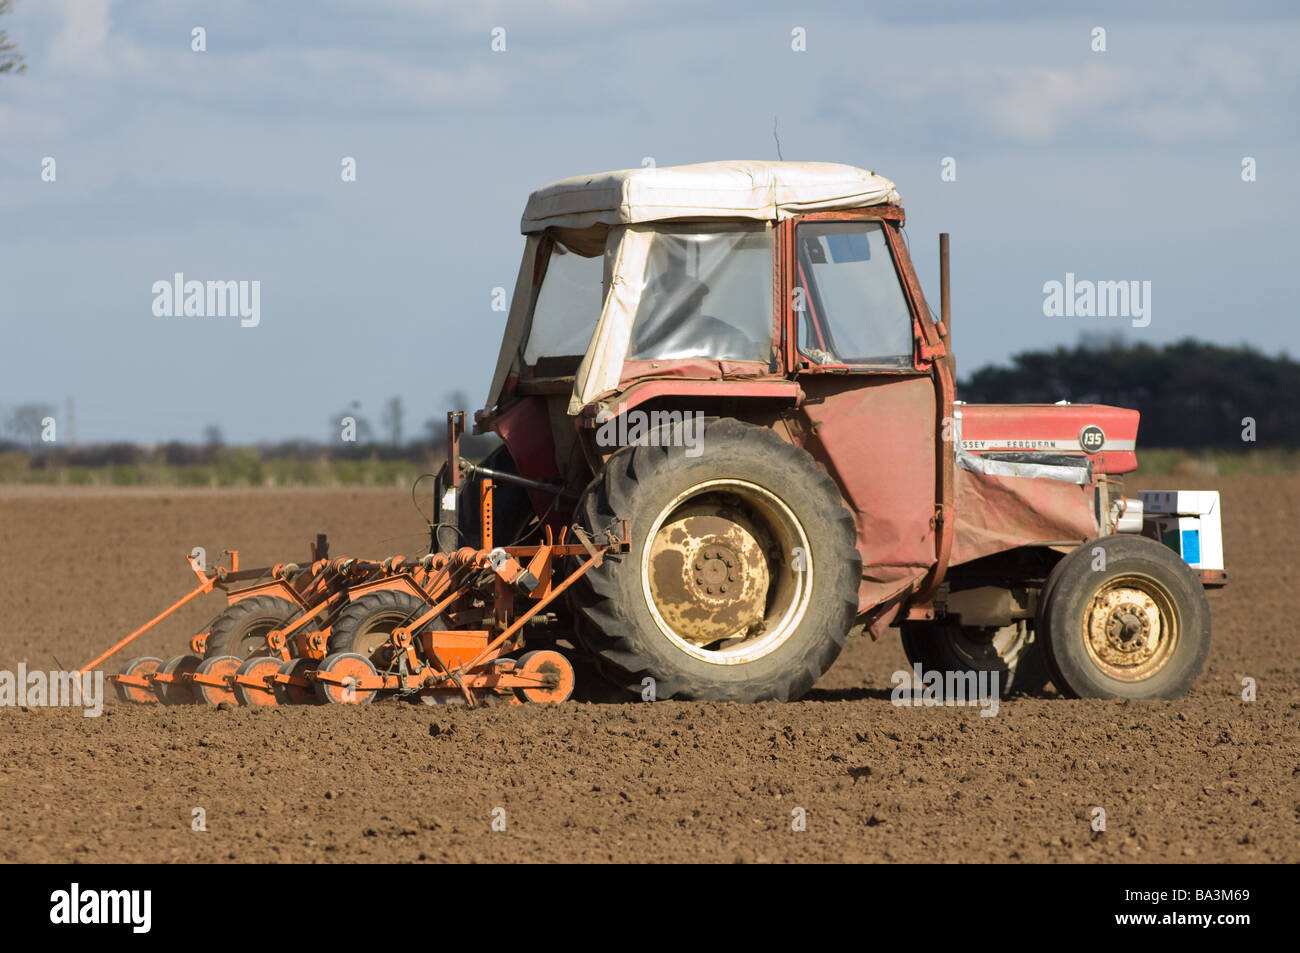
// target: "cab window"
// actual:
[[568, 304], [848, 301], [707, 292]]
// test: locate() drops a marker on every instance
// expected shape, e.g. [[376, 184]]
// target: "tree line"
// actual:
[[1191, 395], [41, 433]]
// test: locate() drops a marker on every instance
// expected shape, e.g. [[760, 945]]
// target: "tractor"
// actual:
[[730, 368]]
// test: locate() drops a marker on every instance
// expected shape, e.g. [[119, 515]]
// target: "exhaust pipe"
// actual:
[[945, 301]]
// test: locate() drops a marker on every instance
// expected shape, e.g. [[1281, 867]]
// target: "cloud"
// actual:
[[82, 40], [227, 163], [1172, 123], [507, 12], [1032, 104], [1175, 85], [35, 124]]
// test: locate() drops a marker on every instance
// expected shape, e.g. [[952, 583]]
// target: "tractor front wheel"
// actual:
[[1124, 617]]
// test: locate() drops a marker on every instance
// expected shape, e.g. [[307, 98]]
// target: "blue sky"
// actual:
[[225, 164]]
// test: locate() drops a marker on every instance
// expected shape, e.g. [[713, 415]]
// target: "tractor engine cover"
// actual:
[[1107, 435]]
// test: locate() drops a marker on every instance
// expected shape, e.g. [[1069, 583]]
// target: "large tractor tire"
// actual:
[[742, 578], [242, 628], [1012, 651], [1124, 617]]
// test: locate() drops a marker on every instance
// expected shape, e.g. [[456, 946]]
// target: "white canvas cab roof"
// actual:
[[766, 191]]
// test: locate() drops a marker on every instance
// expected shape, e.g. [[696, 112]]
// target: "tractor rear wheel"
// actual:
[[1124, 617], [242, 628], [742, 577], [1010, 650]]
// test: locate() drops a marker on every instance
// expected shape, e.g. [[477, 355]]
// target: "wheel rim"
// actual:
[[261, 667], [253, 642], [1131, 628], [552, 663], [371, 637], [727, 572], [222, 666], [352, 667], [139, 667]]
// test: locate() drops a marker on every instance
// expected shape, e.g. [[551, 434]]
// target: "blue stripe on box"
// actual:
[[1191, 546]]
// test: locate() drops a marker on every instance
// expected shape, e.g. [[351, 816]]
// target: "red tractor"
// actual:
[[732, 369]]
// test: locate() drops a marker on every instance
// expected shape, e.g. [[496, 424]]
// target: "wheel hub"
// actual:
[[709, 573], [715, 572], [1127, 632], [372, 639], [1127, 629]]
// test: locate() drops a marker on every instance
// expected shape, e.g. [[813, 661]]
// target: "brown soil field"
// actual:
[[1208, 778]]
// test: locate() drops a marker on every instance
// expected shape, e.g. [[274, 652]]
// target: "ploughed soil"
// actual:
[[1208, 778]]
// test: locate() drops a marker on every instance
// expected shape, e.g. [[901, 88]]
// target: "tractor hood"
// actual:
[[1045, 432]]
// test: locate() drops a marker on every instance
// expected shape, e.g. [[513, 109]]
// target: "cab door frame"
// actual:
[[930, 358]]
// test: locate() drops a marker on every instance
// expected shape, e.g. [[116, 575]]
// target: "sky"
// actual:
[[1122, 164]]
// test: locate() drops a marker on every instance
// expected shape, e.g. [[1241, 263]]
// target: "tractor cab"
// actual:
[[678, 273]]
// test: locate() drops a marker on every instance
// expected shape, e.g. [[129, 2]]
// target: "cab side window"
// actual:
[[707, 293], [849, 301]]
